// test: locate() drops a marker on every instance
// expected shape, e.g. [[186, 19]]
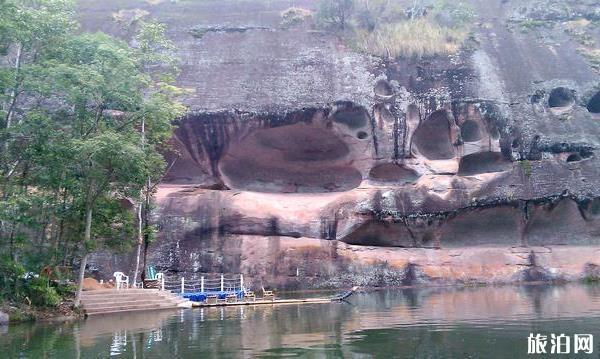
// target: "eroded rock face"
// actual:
[[304, 164]]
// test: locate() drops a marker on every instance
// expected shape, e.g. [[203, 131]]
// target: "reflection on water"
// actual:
[[429, 323]]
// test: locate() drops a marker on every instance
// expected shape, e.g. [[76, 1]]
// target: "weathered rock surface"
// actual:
[[4, 318], [305, 164]]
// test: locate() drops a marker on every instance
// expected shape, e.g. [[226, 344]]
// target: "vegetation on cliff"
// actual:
[[82, 119], [389, 29]]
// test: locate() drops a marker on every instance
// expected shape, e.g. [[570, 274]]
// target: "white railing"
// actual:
[[208, 283]]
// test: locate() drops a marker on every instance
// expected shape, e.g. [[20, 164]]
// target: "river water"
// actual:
[[484, 322]]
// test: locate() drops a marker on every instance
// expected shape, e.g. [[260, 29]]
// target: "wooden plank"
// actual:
[[264, 302]]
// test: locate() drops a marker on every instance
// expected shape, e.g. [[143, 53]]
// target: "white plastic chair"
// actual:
[[120, 279]]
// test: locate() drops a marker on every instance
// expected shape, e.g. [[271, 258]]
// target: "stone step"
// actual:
[[125, 297], [113, 301], [115, 312], [117, 292], [128, 308], [131, 299], [91, 305]]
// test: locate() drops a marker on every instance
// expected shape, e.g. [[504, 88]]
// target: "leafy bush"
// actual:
[[453, 14], [66, 290], [335, 13], [42, 294], [294, 16], [11, 274]]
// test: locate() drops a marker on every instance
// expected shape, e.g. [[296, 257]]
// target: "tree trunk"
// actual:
[[13, 93], [139, 244], [140, 223], [87, 236]]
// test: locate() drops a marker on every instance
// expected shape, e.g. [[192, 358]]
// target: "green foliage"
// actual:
[[526, 167], [530, 24], [453, 14], [294, 16], [41, 294], [335, 13], [65, 290], [390, 29], [415, 38], [11, 273], [82, 119]]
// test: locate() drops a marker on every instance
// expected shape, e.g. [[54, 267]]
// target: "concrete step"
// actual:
[[113, 301], [117, 292], [91, 305], [119, 307], [115, 312], [125, 296]]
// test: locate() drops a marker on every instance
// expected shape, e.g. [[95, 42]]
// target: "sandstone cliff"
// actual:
[[304, 163]]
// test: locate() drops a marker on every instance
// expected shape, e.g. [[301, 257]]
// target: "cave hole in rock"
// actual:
[[382, 234], [383, 88], [432, 137], [593, 104], [482, 162], [574, 157], [289, 159], [362, 135], [469, 131], [392, 172], [351, 116], [561, 97]]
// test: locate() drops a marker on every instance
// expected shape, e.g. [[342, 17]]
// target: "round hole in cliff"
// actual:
[[289, 159], [482, 162], [391, 172], [351, 116], [432, 137], [593, 104], [362, 135], [561, 97], [469, 131], [574, 157], [383, 88]]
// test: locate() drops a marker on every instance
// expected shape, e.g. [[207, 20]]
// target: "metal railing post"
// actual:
[[182, 284], [242, 282], [202, 284], [221, 282]]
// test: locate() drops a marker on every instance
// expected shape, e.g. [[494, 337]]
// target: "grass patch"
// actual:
[[389, 29], [532, 24], [526, 167], [414, 38]]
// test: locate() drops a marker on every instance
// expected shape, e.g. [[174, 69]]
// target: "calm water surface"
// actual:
[[490, 322]]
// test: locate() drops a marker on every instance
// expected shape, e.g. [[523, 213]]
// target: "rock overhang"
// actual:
[[507, 143]]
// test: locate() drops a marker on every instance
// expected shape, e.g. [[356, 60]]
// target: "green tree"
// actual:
[[83, 118], [335, 13]]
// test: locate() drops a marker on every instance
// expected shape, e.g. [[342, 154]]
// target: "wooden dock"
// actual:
[[261, 301]]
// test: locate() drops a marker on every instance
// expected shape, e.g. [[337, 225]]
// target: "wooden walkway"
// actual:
[[262, 301]]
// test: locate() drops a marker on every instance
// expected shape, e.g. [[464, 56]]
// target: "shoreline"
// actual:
[[68, 314]]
